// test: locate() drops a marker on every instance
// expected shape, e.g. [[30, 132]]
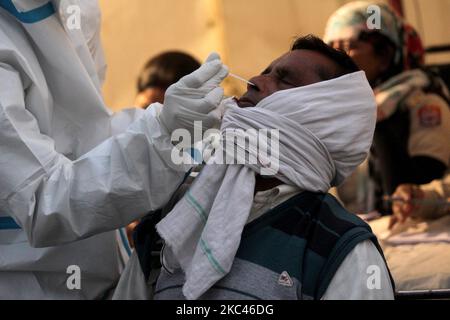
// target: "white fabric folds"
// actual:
[[325, 132]]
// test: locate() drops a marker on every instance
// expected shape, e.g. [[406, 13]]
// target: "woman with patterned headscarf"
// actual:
[[412, 138]]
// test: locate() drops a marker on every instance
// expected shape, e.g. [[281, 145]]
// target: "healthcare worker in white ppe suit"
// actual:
[[70, 170]]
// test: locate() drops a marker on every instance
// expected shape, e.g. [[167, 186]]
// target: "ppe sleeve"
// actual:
[[56, 200]]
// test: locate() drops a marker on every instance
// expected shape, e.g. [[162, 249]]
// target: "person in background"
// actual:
[[159, 73], [412, 138], [425, 202]]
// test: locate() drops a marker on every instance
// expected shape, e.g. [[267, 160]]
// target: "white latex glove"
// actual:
[[195, 97]]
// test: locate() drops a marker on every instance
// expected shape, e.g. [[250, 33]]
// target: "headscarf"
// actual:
[[405, 73], [351, 20]]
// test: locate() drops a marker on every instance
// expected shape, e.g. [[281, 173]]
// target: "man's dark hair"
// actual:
[[344, 64], [166, 69]]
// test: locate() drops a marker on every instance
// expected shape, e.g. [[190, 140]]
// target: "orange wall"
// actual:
[[247, 33]]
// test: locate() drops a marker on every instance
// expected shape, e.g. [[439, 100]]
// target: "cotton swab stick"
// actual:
[[242, 79]]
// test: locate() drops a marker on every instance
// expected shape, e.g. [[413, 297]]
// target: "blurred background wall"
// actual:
[[248, 34]]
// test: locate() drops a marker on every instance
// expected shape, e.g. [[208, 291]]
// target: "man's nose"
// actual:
[[259, 83]]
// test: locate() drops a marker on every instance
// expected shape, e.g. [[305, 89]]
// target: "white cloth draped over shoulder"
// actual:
[[325, 132]]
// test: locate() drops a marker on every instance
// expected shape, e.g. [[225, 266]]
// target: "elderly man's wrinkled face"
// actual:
[[297, 68]]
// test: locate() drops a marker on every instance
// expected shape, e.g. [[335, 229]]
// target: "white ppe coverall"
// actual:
[[70, 171]]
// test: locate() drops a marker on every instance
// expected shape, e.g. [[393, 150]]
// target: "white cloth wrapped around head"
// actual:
[[325, 132], [326, 129], [341, 113]]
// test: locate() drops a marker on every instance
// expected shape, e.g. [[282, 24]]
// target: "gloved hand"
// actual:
[[195, 97]]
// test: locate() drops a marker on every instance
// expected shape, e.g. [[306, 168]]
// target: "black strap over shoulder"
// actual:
[[147, 243]]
